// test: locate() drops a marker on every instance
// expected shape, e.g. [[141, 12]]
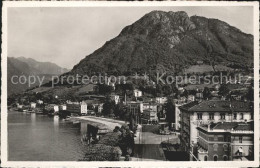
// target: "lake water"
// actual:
[[33, 137]]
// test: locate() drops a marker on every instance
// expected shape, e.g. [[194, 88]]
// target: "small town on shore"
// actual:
[[191, 123]]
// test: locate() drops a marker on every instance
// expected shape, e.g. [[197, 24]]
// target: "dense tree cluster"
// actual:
[[111, 146], [170, 111]]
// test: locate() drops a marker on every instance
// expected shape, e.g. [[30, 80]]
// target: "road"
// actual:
[[147, 144]]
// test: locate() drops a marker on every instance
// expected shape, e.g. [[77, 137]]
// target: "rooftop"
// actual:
[[222, 106], [231, 126], [189, 105]]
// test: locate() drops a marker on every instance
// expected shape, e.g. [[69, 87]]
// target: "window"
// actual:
[[215, 158], [205, 158], [215, 146], [235, 116], [211, 116], [215, 138], [225, 147], [226, 138], [222, 116], [240, 139], [225, 158], [199, 116], [241, 116]]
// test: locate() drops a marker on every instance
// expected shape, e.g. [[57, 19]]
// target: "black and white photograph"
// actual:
[[130, 84]]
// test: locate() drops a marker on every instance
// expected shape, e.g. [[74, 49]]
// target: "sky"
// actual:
[[65, 35]]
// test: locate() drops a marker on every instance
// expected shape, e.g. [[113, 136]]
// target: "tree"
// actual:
[[118, 109], [126, 142], [39, 96], [206, 93], [112, 145], [223, 90], [250, 94], [111, 139], [170, 111], [185, 93], [176, 146], [102, 152], [108, 107], [10, 100], [104, 89]]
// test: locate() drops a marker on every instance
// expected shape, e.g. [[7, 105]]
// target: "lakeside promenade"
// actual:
[[100, 122]]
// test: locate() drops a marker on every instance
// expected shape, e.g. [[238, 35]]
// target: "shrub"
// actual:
[[102, 152]]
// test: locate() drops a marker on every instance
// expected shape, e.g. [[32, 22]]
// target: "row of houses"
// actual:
[[72, 107]]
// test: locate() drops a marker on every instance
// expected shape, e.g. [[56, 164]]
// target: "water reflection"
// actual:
[[56, 121], [33, 118], [83, 128], [33, 137]]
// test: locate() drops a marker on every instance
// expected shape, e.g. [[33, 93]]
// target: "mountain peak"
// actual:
[[159, 24], [168, 40]]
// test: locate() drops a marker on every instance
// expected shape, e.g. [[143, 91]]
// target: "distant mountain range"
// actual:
[[28, 66], [42, 67], [169, 41]]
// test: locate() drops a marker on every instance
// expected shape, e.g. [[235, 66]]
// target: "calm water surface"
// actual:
[[34, 137]]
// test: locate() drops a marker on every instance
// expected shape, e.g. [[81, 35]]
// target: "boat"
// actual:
[[24, 110], [31, 111]]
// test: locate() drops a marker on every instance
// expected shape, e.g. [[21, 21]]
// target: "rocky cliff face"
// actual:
[[169, 41]]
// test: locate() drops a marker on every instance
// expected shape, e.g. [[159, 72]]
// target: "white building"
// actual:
[[138, 93], [177, 117], [39, 101], [33, 105], [19, 106], [115, 98], [161, 100], [191, 98]]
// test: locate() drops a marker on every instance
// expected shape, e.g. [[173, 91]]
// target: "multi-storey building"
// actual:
[[195, 114], [76, 107], [98, 107], [178, 116], [225, 141], [149, 116], [115, 98], [136, 109], [161, 100], [146, 106]]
